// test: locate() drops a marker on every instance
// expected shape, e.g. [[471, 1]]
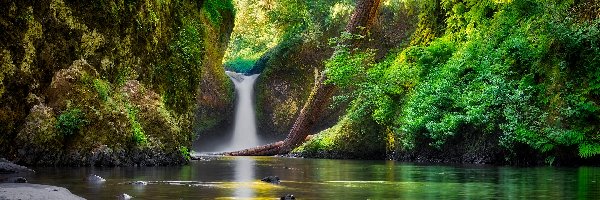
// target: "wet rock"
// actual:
[[35, 191], [124, 197], [7, 167], [92, 178], [271, 179], [288, 197], [139, 183], [14, 180], [13, 173], [237, 76]]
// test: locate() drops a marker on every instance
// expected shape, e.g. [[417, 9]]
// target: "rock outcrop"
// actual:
[[26, 191], [110, 82]]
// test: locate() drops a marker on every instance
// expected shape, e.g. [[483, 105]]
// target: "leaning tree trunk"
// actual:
[[362, 19]]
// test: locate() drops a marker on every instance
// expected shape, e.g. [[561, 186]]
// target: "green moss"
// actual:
[[34, 32], [90, 42], [180, 78], [103, 89], [7, 68], [351, 137]]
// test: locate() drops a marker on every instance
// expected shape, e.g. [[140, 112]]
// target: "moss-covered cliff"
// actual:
[[110, 82], [500, 82]]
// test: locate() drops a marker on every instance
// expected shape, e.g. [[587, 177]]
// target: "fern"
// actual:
[[587, 150]]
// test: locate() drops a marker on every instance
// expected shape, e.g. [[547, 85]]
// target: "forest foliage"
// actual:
[[522, 72]]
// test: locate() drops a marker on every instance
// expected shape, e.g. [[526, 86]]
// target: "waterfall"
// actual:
[[244, 131]]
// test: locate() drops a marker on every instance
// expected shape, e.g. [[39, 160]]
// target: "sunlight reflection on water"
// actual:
[[244, 175]]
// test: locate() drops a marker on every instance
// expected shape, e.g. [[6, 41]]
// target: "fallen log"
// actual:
[[264, 150]]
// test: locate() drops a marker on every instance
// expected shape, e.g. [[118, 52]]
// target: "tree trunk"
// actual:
[[362, 19]]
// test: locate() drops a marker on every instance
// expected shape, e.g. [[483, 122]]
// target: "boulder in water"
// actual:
[[12, 173], [124, 197], [139, 183], [271, 179], [288, 197], [93, 178]]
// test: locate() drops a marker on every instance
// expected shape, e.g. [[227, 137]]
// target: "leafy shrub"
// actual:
[[70, 122], [185, 152], [138, 136]]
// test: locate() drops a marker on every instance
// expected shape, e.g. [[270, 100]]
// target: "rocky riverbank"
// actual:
[[28, 191], [13, 173], [103, 156], [13, 185]]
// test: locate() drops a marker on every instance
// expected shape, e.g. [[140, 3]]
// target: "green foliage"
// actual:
[[103, 89], [138, 136], [70, 122], [262, 25], [185, 152], [240, 65], [516, 72], [214, 8]]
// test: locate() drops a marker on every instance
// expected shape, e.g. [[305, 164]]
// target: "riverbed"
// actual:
[[239, 178]]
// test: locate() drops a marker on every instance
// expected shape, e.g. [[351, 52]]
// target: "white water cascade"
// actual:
[[244, 131]]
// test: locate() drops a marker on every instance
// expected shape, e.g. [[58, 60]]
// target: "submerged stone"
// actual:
[[271, 179], [287, 197], [139, 183]]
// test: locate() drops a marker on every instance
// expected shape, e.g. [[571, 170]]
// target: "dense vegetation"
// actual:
[[479, 81], [111, 82], [124, 82]]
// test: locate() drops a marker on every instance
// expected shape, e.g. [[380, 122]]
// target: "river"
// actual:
[[239, 178]]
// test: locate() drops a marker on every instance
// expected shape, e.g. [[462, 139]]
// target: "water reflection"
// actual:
[[244, 176], [237, 178]]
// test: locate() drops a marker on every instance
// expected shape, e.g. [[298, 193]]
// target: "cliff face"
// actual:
[[110, 82], [216, 99], [285, 83]]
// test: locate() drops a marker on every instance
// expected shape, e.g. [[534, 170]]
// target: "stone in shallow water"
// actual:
[[139, 183], [13, 173], [288, 197], [93, 178], [124, 197], [271, 179]]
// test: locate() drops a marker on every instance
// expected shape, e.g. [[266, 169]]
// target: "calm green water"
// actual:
[[239, 178]]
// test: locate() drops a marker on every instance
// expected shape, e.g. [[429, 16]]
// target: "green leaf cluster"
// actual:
[[70, 122]]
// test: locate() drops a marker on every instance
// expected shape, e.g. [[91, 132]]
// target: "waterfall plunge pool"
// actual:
[[239, 178]]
